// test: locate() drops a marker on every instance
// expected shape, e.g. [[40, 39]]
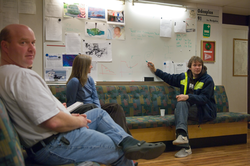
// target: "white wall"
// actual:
[[236, 87], [35, 22], [215, 68]]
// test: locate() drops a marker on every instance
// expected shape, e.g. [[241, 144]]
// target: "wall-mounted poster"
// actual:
[[116, 32], [68, 59], [95, 29], [99, 51], [55, 74], [240, 57], [75, 10], [97, 13], [115, 16]]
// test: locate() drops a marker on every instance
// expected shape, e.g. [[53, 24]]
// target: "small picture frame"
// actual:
[[208, 51]]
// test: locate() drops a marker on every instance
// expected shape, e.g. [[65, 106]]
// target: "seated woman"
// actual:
[[81, 87]]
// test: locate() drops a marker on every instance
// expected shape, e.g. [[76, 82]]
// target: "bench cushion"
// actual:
[[139, 122]]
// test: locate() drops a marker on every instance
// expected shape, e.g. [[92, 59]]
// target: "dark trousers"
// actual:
[[115, 111]]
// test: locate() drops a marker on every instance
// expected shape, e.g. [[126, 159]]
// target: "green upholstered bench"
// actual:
[[141, 104], [11, 152]]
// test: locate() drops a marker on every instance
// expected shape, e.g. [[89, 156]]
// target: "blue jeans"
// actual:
[[182, 113], [99, 143]]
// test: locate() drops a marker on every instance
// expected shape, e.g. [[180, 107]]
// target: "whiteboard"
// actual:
[[142, 42]]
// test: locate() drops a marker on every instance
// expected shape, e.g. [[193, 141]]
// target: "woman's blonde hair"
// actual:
[[80, 68]]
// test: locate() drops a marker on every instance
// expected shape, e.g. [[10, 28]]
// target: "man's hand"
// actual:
[[85, 120], [151, 66], [182, 97], [65, 105]]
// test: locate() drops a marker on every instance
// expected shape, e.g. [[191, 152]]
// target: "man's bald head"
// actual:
[[17, 45]]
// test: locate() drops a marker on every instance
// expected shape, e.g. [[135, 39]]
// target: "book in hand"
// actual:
[[74, 106]]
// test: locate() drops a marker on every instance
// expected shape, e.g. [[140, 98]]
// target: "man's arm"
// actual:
[[63, 122], [206, 92]]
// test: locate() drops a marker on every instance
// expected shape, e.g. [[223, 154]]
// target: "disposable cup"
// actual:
[[162, 112]]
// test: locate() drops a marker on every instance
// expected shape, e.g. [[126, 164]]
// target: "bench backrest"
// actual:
[[10, 148], [139, 100]]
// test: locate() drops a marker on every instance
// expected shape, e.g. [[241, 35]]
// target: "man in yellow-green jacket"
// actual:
[[195, 102]]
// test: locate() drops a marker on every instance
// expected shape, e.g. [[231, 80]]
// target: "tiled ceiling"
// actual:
[[239, 7]]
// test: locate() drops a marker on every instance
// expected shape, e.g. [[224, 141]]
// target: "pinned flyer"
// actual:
[[180, 27]]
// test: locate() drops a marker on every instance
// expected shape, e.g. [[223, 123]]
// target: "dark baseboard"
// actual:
[[210, 142]]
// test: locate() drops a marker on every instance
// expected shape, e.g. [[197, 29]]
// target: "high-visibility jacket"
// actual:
[[203, 94]]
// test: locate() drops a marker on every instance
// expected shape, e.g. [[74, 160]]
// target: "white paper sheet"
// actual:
[[98, 50], [53, 8], [53, 29], [9, 18], [180, 27], [27, 6], [53, 60], [9, 6], [165, 28], [180, 68], [73, 43], [169, 67]]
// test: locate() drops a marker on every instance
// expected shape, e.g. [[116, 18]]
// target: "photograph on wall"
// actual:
[[97, 13], [75, 10], [208, 51], [116, 32], [55, 74], [94, 29], [115, 16], [68, 59], [99, 51]]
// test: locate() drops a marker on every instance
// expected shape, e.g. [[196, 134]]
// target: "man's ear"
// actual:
[[4, 44]]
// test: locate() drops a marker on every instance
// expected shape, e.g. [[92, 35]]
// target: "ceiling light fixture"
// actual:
[[157, 3]]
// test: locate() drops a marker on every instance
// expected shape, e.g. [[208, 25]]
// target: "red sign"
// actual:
[[208, 51]]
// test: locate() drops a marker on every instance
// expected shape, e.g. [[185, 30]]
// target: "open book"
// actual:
[[74, 106]]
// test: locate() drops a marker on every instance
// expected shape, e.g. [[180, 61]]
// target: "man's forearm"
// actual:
[[63, 122]]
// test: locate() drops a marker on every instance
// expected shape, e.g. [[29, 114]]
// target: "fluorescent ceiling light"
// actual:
[[158, 3]]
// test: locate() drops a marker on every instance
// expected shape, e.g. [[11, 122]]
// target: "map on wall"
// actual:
[[240, 57]]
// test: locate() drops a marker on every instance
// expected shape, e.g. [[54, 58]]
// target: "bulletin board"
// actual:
[[240, 57], [142, 42]]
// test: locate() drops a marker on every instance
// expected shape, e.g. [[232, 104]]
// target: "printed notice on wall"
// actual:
[[208, 15]]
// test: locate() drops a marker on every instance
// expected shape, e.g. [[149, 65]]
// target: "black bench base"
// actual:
[[210, 142]]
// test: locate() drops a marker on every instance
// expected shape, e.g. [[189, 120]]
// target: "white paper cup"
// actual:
[[162, 112]]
